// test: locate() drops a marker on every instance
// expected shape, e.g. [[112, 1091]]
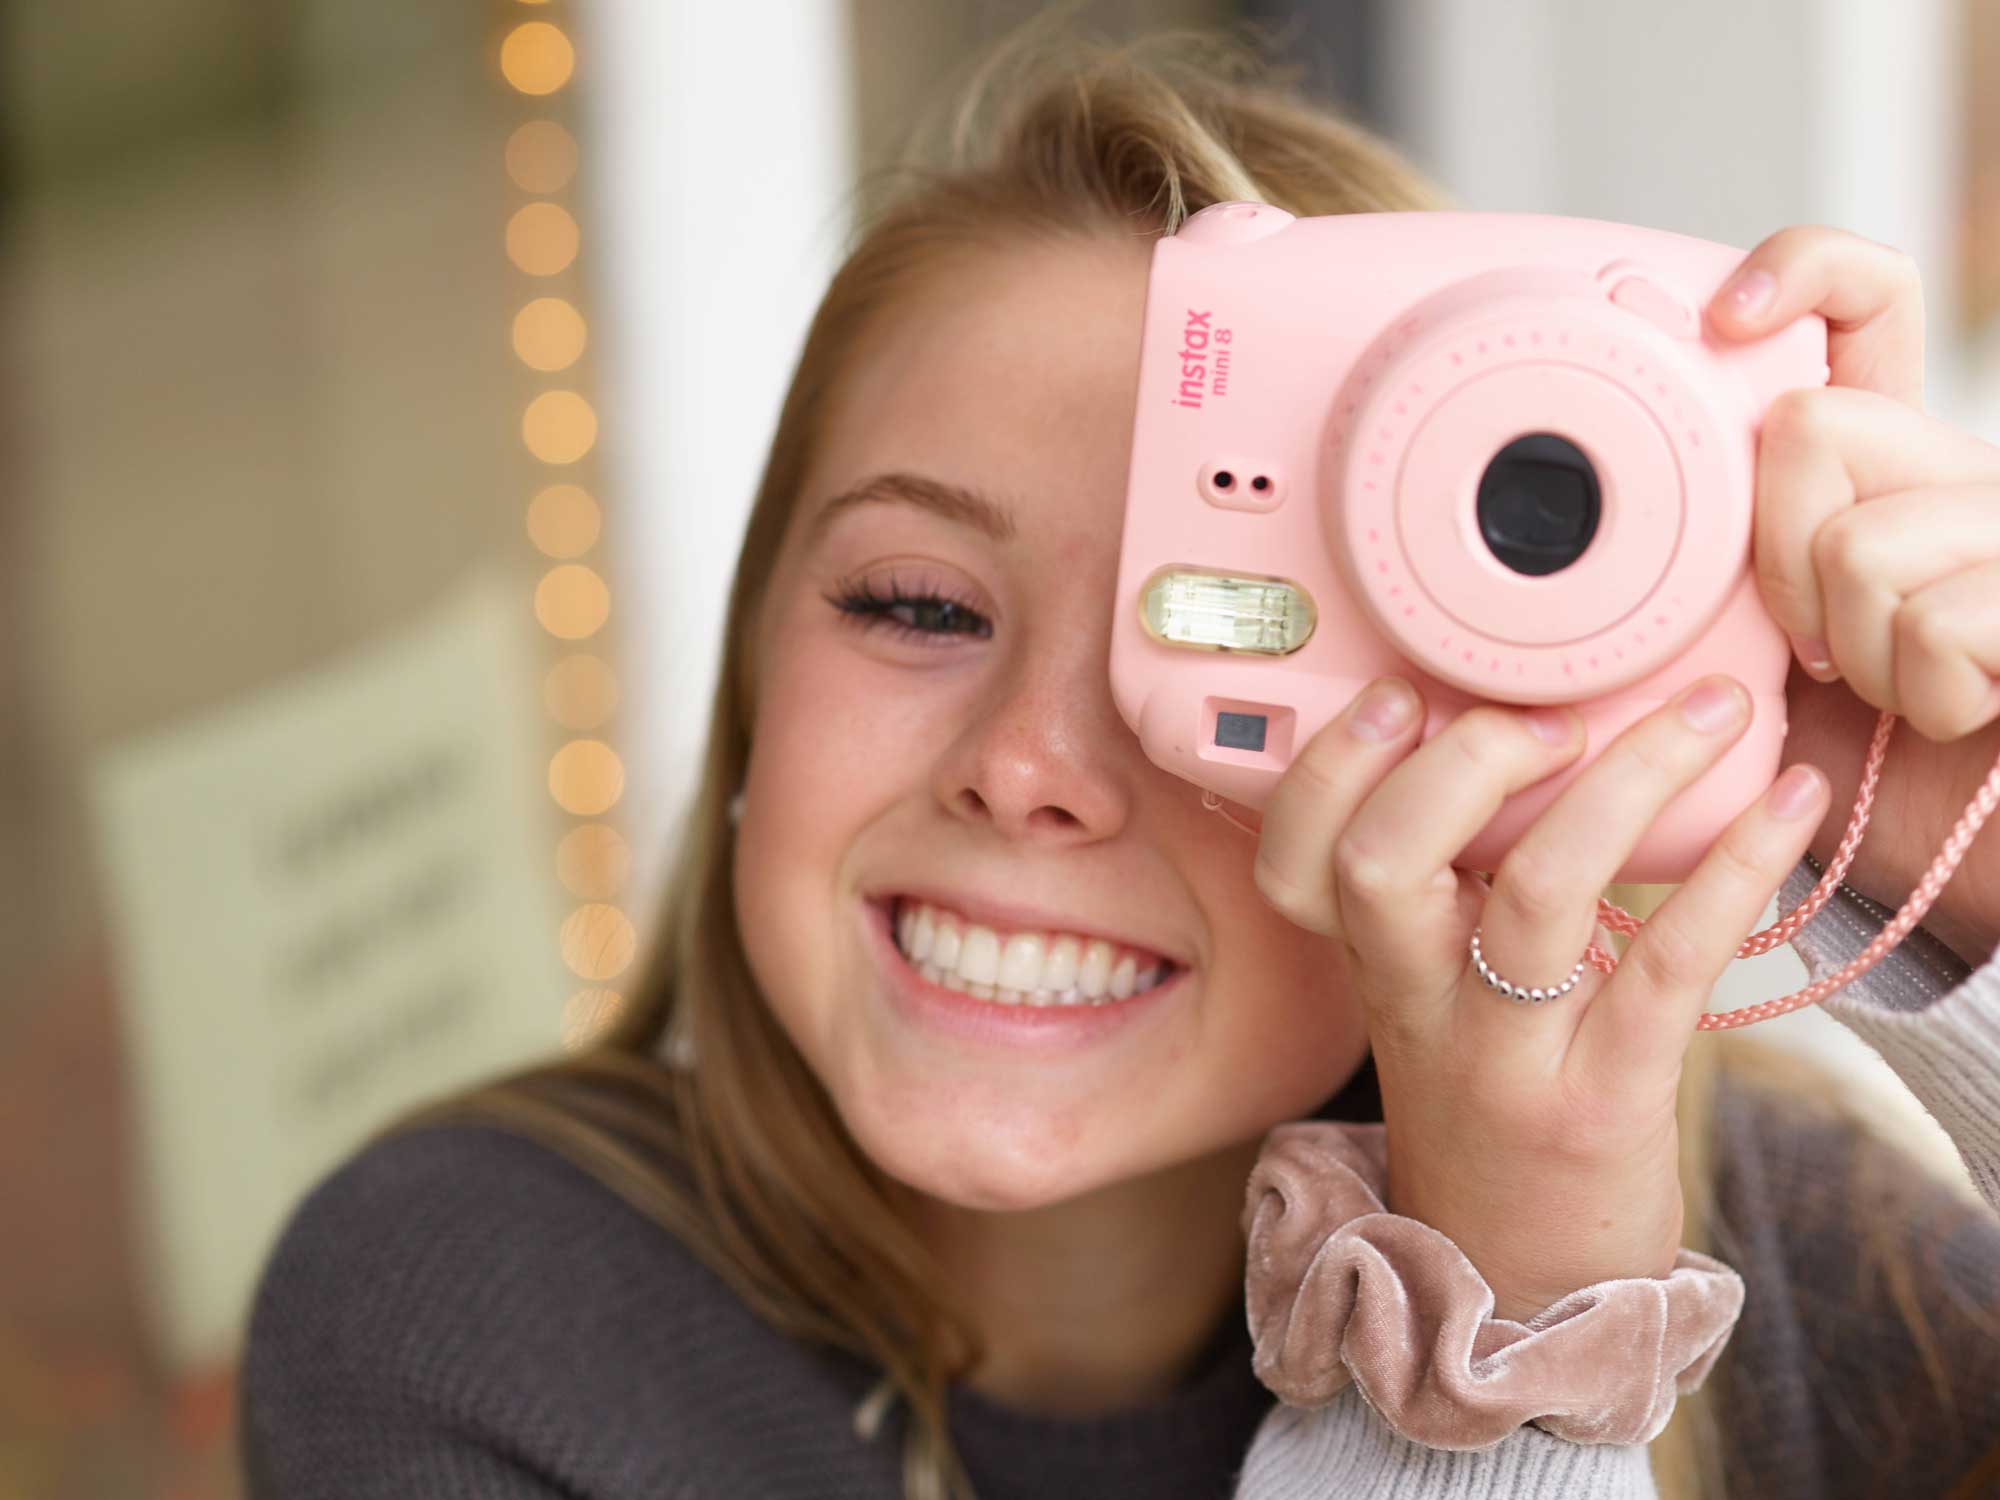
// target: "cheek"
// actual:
[[1292, 1022], [834, 752]]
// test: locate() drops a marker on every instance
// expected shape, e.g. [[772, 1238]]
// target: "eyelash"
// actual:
[[862, 605]]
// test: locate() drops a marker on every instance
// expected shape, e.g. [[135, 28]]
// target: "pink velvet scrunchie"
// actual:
[[1339, 1289]]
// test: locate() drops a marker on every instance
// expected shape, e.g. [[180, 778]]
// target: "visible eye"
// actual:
[[923, 612]]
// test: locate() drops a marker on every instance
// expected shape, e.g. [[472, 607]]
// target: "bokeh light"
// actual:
[[594, 862], [563, 520], [559, 427], [542, 239], [598, 941], [537, 58], [548, 334], [541, 157], [572, 602], [586, 778], [581, 691], [587, 1014]]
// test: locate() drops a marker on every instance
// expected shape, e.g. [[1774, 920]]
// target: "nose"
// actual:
[[1045, 757]]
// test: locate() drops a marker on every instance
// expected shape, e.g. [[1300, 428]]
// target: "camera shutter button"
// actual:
[[1657, 306], [1235, 223]]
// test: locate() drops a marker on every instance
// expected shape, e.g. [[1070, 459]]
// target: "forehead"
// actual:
[[1012, 371]]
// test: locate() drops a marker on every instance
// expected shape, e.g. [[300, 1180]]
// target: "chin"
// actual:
[[975, 1162]]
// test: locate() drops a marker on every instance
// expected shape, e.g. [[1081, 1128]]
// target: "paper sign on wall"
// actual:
[[330, 902]]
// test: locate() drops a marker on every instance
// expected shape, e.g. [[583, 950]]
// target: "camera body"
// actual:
[[1496, 454]]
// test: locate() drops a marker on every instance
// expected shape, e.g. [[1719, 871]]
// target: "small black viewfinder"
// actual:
[[1240, 731]]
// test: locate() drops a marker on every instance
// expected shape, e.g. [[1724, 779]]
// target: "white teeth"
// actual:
[[1025, 968], [1060, 971], [979, 959], [1122, 977], [1093, 977], [1021, 962]]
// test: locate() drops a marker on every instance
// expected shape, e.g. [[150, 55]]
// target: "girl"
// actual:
[[804, 1222]]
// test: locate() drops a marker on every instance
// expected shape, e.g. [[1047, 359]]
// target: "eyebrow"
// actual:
[[953, 502]]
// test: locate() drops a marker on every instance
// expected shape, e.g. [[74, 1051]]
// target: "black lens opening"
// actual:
[[1539, 504]]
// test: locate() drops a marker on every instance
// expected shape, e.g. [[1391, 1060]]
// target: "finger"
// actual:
[[1871, 295], [1640, 1024], [1543, 909], [1871, 560], [1948, 654], [1820, 452], [1318, 793], [1394, 876]]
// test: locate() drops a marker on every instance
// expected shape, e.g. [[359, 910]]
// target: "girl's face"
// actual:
[[960, 748]]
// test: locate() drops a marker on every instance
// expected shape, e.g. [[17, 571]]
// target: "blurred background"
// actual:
[[384, 388]]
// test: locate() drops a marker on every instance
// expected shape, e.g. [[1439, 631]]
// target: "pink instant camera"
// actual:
[[1495, 454]]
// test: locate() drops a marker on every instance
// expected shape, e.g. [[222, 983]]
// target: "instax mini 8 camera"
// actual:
[[1495, 454]]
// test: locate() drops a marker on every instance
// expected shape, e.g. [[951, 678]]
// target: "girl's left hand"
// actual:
[[1877, 547]]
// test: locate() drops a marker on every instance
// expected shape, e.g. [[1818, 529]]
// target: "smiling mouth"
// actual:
[[1033, 968]]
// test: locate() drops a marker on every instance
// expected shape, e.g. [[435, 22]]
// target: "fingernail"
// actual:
[[1382, 711], [1814, 657], [1797, 792], [1551, 724], [1749, 293], [1714, 706]]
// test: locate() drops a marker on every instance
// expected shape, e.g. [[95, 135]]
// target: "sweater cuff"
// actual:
[[1933, 1018], [1347, 1448]]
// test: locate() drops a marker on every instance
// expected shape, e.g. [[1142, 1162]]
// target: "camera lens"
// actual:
[[1539, 504]]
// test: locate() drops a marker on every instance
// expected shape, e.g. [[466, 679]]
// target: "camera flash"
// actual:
[[1224, 612]]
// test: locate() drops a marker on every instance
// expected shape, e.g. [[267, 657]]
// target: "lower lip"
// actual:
[[1043, 1030]]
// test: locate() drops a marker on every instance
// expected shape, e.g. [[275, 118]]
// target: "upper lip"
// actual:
[[1008, 916]]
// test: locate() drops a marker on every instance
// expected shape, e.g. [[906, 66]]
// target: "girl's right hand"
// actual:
[[1539, 1138]]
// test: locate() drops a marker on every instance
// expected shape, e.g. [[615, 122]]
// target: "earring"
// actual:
[[676, 1048], [735, 809]]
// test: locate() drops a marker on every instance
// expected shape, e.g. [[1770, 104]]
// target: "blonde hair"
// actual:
[[743, 1157]]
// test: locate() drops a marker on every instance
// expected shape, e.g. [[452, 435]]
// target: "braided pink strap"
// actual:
[[1338, 1289], [1977, 811]]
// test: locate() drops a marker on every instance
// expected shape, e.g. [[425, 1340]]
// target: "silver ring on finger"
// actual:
[[1522, 994]]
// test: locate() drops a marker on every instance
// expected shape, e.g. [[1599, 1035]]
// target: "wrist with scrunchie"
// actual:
[[1339, 1290]]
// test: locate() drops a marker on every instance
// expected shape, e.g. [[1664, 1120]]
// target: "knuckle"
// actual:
[[1315, 772], [1784, 595], [1735, 859], [1665, 957], [1479, 737], [1306, 908], [1839, 549], [1795, 417], [1532, 887], [1925, 628], [1363, 872], [1657, 752]]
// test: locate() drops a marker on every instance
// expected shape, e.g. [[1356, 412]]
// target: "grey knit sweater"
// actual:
[[457, 1312]]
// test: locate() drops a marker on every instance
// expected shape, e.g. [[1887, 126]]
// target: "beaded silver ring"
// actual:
[[1521, 993]]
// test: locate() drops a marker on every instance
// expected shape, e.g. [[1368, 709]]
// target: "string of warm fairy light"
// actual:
[[572, 602]]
